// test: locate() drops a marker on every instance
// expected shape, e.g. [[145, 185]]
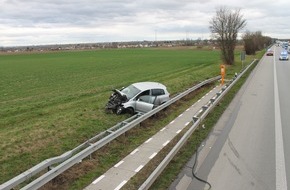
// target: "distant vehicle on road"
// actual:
[[284, 55], [138, 97], [270, 52], [285, 45]]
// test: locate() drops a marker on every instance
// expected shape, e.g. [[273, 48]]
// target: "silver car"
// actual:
[[284, 55], [138, 97]]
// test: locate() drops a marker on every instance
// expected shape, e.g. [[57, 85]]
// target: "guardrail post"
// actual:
[[204, 107], [195, 118]]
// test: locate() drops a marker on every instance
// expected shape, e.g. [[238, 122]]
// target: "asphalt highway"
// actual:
[[249, 147]]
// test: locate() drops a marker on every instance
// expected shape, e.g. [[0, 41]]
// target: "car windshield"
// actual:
[[284, 53], [130, 91]]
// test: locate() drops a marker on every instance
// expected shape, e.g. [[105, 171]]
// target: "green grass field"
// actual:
[[51, 102]]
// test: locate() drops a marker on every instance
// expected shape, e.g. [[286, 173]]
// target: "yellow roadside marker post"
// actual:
[[223, 73]]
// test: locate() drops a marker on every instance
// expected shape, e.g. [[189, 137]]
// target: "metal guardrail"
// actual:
[[48, 163], [74, 156], [196, 121]]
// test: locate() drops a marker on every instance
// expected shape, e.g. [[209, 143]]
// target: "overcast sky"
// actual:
[[35, 22]]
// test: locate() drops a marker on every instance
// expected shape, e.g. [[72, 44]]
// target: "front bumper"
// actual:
[[283, 58]]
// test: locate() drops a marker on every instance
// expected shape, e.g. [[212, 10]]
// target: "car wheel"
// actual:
[[119, 110], [130, 111]]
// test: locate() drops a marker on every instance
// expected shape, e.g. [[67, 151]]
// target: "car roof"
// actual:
[[148, 85]]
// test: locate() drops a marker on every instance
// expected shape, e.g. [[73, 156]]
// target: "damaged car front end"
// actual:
[[115, 101], [137, 97]]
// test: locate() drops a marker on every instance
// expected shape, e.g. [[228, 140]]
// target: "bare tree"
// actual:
[[225, 26]]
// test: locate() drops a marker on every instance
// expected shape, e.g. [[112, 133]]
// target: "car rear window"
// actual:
[[284, 53], [157, 92]]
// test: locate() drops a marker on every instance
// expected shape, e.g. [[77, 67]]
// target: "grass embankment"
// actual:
[[51, 102]]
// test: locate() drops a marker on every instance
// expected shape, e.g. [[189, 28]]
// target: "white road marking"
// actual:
[[186, 123], [134, 151], [180, 115], [178, 131], [153, 155], [121, 185], [172, 122], [119, 163], [148, 140], [164, 144], [98, 179], [162, 129], [139, 168], [281, 181], [188, 109]]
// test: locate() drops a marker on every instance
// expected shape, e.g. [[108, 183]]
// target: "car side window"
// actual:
[[146, 92], [157, 92]]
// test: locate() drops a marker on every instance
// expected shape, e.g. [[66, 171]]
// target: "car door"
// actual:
[[145, 103]]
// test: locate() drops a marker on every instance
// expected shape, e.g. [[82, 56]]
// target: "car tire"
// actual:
[[130, 111]]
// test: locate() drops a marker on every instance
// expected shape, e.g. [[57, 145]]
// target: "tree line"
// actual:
[[255, 41], [225, 27]]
